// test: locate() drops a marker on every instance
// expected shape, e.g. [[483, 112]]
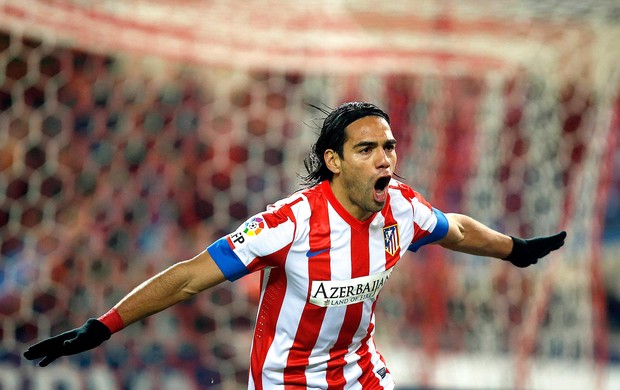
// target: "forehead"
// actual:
[[368, 128]]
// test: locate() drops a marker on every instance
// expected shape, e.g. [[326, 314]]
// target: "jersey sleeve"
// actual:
[[438, 232], [431, 224], [258, 243]]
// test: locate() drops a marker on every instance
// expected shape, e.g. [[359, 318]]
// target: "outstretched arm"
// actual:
[[175, 284], [467, 235]]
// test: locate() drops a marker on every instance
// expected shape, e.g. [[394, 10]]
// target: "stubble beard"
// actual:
[[362, 197]]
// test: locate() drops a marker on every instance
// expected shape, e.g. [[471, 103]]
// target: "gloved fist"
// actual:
[[527, 252], [88, 336]]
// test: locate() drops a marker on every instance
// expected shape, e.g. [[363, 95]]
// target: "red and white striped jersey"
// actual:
[[322, 271]]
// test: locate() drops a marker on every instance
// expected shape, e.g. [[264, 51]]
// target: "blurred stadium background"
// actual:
[[133, 133]]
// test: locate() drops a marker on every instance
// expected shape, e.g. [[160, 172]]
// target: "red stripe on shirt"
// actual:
[[368, 380], [281, 215], [267, 318], [312, 316], [360, 266], [272, 300]]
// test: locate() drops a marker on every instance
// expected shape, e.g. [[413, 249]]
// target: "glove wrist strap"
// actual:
[[518, 248], [112, 320]]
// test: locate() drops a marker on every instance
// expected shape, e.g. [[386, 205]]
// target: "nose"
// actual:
[[383, 161]]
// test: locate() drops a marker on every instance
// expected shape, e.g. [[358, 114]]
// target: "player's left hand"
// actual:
[[526, 252]]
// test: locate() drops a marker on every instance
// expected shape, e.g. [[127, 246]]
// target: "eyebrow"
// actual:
[[389, 142]]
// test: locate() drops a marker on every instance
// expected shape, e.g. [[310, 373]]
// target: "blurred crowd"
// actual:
[[107, 179]]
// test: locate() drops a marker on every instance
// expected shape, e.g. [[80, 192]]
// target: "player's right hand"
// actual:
[[88, 336]]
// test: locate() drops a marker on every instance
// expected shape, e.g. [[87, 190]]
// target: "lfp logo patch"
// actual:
[[254, 226], [392, 241]]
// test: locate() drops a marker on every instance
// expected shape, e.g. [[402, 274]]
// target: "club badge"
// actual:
[[392, 241]]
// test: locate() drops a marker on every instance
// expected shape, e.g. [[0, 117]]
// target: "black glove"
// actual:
[[527, 252], [81, 339]]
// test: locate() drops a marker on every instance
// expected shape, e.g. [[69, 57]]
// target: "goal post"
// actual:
[[134, 133]]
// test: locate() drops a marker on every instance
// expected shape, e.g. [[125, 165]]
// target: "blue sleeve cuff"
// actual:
[[227, 260], [440, 231]]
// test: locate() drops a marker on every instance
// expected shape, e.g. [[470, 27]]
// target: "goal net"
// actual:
[[134, 133]]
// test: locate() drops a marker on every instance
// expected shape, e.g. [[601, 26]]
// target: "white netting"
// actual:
[[133, 133]]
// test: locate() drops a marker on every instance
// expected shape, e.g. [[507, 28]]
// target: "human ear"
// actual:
[[332, 161]]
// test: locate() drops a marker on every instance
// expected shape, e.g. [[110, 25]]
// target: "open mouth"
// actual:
[[381, 185]]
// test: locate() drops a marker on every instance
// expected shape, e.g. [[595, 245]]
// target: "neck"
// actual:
[[341, 195]]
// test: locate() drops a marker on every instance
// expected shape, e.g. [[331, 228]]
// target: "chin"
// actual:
[[378, 207]]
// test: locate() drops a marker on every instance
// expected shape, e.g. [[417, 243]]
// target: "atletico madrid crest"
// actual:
[[392, 241]]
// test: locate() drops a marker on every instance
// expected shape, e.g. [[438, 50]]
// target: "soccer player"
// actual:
[[324, 254]]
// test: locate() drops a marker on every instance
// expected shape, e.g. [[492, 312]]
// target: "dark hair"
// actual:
[[333, 136]]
